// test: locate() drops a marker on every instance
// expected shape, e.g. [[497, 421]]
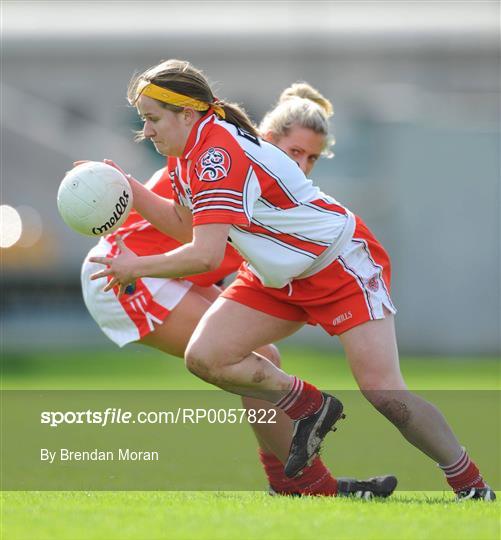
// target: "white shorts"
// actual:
[[134, 315]]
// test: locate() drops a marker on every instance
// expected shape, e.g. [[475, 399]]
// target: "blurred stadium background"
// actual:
[[415, 87]]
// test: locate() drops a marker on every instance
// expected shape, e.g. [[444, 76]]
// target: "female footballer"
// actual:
[[308, 259], [163, 313]]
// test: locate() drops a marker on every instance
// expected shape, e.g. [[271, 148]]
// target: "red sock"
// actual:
[[463, 473], [315, 479], [302, 400]]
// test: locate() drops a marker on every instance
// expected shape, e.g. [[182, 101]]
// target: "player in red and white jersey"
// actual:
[[218, 150], [163, 313]]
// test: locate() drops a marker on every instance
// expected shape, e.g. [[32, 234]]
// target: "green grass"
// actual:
[[228, 515], [143, 368], [224, 515]]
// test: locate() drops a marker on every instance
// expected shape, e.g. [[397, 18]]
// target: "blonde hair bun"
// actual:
[[306, 91], [303, 106]]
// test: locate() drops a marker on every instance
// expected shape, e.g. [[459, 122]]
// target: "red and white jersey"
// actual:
[[143, 239], [282, 225]]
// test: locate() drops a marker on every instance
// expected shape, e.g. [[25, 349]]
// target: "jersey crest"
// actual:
[[373, 283], [213, 165]]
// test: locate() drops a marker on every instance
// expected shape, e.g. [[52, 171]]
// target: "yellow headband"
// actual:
[[173, 98]]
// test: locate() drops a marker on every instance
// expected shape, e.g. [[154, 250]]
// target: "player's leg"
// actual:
[[220, 352], [172, 337], [274, 438], [371, 350], [274, 441], [361, 313]]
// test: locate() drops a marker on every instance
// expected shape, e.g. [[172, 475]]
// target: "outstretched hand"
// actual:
[[120, 268]]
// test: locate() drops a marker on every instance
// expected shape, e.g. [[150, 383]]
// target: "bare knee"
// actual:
[[271, 353], [210, 365], [380, 380], [393, 404], [198, 362], [387, 392]]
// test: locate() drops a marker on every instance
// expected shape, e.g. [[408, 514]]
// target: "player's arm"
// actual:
[[204, 253]]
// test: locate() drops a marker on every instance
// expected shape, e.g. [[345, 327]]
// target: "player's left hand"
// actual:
[[120, 268]]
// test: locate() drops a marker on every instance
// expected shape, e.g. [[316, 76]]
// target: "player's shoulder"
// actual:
[[219, 153], [221, 135]]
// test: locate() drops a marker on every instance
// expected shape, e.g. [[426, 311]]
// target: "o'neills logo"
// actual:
[[342, 318], [118, 212]]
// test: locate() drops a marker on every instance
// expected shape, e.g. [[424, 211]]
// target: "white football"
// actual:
[[94, 199]]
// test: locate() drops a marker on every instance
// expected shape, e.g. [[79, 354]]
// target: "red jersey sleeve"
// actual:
[[219, 174]]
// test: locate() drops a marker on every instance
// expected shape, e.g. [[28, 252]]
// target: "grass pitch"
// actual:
[[137, 367], [227, 515], [242, 515]]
